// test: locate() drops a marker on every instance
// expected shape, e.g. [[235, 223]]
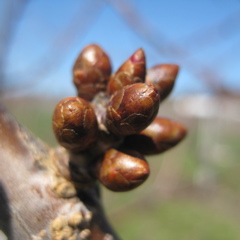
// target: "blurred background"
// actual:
[[193, 192]]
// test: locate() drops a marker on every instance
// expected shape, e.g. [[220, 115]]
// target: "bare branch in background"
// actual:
[[11, 13], [215, 33], [82, 22], [170, 49], [60, 46]]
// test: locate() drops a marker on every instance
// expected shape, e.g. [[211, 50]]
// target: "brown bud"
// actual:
[[132, 109], [162, 77], [161, 135], [122, 171], [74, 123], [91, 71], [131, 71]]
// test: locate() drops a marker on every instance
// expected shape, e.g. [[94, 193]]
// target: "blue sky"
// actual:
[[50, 35]]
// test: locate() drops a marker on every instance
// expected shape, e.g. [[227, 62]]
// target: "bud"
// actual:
[[132, 109], [132, 71], [162, 77], [74, 123], [91, 71], [161, 135], [122, 170]]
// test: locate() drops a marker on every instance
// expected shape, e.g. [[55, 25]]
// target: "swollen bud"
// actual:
[[161, 135], [162, 77], [75, 124], [131, 71], [132, 109], [122, 170], [91, 72]]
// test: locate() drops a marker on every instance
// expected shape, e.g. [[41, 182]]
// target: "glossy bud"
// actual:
[[161, 135], [122, 170], [131, 71], [132, 109], [74, 123], [162, 77], [91, 72]]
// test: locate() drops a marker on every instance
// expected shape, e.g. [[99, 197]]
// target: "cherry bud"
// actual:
[[132, 109], [162, 77], [75, 124], [122, 170], [91, 72], [161, 135], [131, 71]]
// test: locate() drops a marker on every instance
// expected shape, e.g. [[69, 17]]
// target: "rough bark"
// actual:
[[38, 199]]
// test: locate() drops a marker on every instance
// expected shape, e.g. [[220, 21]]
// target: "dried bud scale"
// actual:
[[131, 71], [75, 124], [161, 135], [163, 77], [91, 71], [122, 171], [132, 109]]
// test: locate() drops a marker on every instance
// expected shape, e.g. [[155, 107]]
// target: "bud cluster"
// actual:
[[113, 120]]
